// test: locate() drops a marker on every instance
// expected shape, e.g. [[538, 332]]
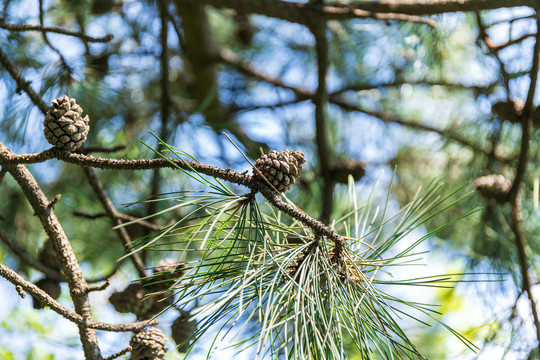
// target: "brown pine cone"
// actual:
[[181, 330], [494, 187], [47, 255], [166, 272], [280, 169], [137, 299], [50, 287], [64, 125], [341, 169], [148, 344], [509, 110]]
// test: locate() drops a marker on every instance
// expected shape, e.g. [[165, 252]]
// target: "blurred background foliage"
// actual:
[[402, 95]]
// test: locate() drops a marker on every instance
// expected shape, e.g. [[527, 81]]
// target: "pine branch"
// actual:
[[165, 99], [22, 84], [83, 322], [319, 100], [434, 7], [28, 259], [117, 164], [390, 118], [72, 271], [118, 354], [306, 13], [113, 214], [57, 30], [124, 217]]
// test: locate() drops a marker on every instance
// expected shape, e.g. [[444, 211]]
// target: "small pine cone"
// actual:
[[135, 299], [494, 187], [509, 110], [341, 170], [50, 287], [148, 344], [47, 255], [64, 125], [166, 272], [181, 330], [281, 169]]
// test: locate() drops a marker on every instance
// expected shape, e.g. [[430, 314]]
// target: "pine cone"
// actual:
[[47, 255], [509, 110], [281, 169], [166, 272], [135, 299], [341, 170], [50, 287], [181, 330], [494, 187], [64, 126], [148, 344]]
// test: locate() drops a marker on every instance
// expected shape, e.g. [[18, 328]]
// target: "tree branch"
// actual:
[[165, 97], [390, 118], [28, 259], [22, 83], [26, 27], [306, 13], [113, 215], [319, 100], [124, 217], [70, 266], [35, 291], [102, 163], [434, 7], [517, 184]]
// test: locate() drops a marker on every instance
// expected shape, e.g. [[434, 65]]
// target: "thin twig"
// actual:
[[482, 34], [124, 217], [28, 259], [360, 87], [41, 295], [22, 83], [49, 272], [390, 118], [101, 287], [317, 226], [46, 39], [511, 42], [82, 36], [112, 213], [229, 57], [118, 354]]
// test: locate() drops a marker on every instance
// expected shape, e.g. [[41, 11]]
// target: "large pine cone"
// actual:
[[148, 344], [281, 169], [64, 125], [136, 299], [494, 187], [181, 330], [51, 287], [166, 272]]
